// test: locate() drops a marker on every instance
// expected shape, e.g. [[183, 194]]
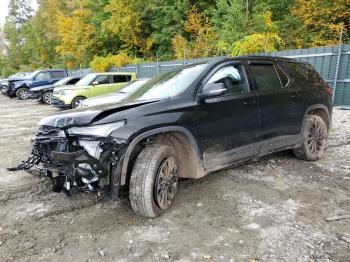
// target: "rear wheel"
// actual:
[[153, 181], [22, 93], [76, 101], [314, 139], [46, 98]]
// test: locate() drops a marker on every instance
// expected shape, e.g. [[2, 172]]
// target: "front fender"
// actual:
[[153, 132]]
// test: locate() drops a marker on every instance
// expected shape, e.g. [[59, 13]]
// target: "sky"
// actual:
[[4, 9]]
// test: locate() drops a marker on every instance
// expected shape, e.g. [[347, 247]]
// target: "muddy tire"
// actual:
[[153, 181], [46, 97], [76, 101], [22, 93], [314, 139]]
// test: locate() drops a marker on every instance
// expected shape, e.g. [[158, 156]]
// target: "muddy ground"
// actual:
[[270, 210]]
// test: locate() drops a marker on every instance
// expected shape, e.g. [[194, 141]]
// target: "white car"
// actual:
[[115, 97]]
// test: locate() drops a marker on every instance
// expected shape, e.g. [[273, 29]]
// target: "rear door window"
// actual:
[[265, 76], [121, 78], [58, 74], [232, 77]]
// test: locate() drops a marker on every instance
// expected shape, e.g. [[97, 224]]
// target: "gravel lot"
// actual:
[[273, 209]]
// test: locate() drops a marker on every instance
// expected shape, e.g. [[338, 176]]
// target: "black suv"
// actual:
[[185, 124]]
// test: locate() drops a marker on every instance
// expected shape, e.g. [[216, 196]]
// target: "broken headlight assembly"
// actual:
[[96, 130], [84, 157]]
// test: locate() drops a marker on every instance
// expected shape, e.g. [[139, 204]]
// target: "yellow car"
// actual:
[[91, 85]]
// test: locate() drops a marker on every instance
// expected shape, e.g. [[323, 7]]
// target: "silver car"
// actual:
[[115, 97]]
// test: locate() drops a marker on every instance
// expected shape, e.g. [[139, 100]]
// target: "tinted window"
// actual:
[[282, 75], [265, 76], [42, 76], [121, 78], [57, 74], [232, 77], [73, 81], [102, 79]]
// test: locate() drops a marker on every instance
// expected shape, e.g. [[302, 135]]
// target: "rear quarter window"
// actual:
[[305, 72], [121, 78]]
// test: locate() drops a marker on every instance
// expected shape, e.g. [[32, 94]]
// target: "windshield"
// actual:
[[132, 86], [86, 80], [169, 84], [62, 81], [31, 75]]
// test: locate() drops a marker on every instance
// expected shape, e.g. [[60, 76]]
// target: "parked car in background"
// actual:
[[127, 90], [5, 82], [3, 85], [44, 93], [21, 86], [91, 85], [185, 124]]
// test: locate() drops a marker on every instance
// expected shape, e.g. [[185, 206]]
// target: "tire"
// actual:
[[314, 139], [22, 93], [146, 187], [76, 101], [4, 89], [46, 97]]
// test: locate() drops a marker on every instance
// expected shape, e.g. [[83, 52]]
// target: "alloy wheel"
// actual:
[[316, 138], [166, 183], [23, 94]]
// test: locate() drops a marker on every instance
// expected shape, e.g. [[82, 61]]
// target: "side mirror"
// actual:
[[212, 90], [95, 83]]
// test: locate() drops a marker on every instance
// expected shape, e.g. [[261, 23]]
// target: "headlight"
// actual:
[[64, 92], [98, 130]]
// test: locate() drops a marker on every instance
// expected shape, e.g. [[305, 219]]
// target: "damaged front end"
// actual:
[[82, 158]]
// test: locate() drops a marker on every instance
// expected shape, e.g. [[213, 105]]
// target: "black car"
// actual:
[[185, 124], [44, 93], [20, 86]]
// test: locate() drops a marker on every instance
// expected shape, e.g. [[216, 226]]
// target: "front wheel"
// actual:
[[314, 139], [76, 101], [153, 181], [22, 93], [46, 98]]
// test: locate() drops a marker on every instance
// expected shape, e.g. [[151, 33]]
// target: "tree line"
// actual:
[[105, 33]]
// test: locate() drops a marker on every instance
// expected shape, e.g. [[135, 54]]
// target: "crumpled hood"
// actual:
[[18, 79], [104, 99], [86, 115]]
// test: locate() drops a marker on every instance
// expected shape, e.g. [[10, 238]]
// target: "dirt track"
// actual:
[[270, 210]]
